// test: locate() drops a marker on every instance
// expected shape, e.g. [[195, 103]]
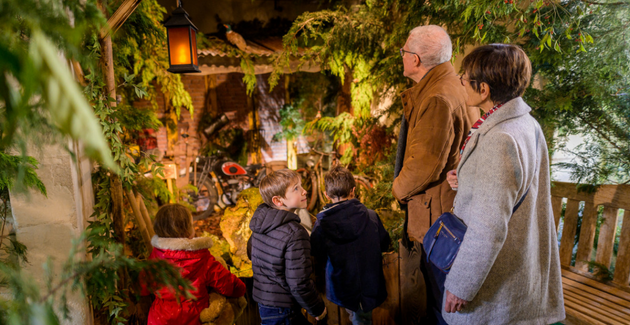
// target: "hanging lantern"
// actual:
[[182, 42]]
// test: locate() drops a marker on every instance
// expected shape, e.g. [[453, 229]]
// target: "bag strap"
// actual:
[[535, 171]]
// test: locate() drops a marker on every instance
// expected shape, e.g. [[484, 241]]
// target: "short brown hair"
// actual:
[[339, 182], [277, 183], [504, 67], [173, 221]]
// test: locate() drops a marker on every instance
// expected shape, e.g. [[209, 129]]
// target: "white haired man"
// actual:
[[434, 126]]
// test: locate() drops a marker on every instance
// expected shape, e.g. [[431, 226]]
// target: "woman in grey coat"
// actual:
[[507, 270]]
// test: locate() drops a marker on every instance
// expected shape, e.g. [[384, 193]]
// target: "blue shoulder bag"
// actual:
[[441, 243]]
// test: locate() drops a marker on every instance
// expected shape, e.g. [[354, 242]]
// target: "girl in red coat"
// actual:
[[174, 242]]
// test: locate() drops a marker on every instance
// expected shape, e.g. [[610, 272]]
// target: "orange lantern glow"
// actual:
[[182, 42]]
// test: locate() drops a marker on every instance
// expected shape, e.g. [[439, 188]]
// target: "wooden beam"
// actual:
[[617, 196], [119, 17]]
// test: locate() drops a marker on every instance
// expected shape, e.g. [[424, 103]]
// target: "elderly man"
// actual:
[[434, 127]]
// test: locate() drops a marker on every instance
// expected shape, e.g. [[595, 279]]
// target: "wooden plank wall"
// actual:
[[405, 294]]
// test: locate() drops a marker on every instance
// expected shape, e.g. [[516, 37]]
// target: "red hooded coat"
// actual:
[[198, 266]]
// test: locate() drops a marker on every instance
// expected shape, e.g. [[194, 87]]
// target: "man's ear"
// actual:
[[352, 194], [277, 200], [416, 60], [326, 195]]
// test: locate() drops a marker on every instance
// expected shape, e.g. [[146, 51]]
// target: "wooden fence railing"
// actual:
[[612, 198]]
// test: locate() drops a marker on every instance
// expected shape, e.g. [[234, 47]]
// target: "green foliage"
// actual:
[[20, 172], [291, 122], [579, 50], [600, 271], [40, 100], [27, 304], [339, 126], [140, 50]]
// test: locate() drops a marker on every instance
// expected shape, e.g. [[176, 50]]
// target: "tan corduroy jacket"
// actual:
[[438, 122]]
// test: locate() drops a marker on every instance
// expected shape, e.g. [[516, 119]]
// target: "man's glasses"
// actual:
[[402, 53]]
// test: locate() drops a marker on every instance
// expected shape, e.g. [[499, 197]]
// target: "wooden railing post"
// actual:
[[568, 231], [587, 236], [556, 206], [622, 265], [607, 233]]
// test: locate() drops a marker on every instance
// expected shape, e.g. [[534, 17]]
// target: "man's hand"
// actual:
[[451, 178], [453, 304]]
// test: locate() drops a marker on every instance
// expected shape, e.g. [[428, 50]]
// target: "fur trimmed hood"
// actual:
[[181, 244]]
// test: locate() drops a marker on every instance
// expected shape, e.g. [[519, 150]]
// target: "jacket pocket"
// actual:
[[419, 209]]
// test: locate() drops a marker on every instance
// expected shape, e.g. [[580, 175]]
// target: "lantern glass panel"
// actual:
[[194, 46], [179, 45]]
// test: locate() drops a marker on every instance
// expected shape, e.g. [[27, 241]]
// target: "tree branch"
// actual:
[[621, 3]]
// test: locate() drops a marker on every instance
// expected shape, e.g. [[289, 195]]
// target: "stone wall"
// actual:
[[47, 225]]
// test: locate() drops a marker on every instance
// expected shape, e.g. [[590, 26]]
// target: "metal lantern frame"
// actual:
[[179, 19]]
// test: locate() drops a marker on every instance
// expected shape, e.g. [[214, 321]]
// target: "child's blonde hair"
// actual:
[[277, 183], [173, 221]]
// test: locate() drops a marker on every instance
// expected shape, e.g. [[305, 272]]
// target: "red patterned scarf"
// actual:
[[477, 125]]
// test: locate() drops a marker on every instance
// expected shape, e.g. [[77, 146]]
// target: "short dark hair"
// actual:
[[504, 67], [173, 221], [277, 183], [339, 182]]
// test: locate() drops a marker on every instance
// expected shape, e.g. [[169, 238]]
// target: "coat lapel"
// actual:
[[470, 146], [512, 109]]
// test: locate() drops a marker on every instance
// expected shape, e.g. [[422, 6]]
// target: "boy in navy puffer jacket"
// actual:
[[348, 239]]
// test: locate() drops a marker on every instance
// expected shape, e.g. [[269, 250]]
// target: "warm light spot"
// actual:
[[179, 45]]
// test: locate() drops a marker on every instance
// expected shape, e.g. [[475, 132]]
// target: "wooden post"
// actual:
[[344, 104], [344, 101], [568, 232], [254, 147], [291, 143], [145, 214], [119, 17], [107, 66], [556, 205], [622, 265], [389, 311], [212, 103], [587, 235], [141, 224], [607, 232]]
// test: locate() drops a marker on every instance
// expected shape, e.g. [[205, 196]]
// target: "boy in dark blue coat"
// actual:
[[348, 239]]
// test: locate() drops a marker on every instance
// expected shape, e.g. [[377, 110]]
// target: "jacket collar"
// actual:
[[434, 75], [512, 109], [181, 244], [266, 219]]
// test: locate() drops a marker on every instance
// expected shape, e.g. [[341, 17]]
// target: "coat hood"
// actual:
[[181, 244], [343, 221], [266, 219], [184, 252]]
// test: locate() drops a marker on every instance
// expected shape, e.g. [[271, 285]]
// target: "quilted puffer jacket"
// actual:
[[281, 261]]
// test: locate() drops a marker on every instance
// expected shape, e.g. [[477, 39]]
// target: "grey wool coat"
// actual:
[[508, 266]]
